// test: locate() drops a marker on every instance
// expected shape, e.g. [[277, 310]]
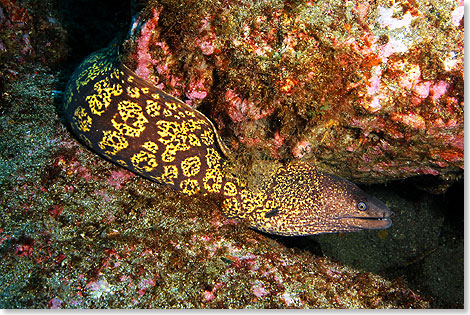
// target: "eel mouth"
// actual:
[[367, 223]]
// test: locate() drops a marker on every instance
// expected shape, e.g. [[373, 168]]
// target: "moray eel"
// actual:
[[131, 122]]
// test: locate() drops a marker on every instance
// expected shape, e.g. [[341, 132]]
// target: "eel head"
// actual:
[[298, 199]]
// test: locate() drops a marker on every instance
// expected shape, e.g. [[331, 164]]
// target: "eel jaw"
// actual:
[[367, 223]]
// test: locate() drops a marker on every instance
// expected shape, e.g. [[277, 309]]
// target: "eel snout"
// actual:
[[376, 216]]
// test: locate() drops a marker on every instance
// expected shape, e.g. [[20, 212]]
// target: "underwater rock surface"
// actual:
[[77, 231], [368, 91]]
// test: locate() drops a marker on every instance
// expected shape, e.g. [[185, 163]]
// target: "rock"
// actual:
[[371, 92], [79, 232]]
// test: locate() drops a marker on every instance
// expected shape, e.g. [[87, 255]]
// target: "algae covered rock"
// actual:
[[371, 92], [79, 232]]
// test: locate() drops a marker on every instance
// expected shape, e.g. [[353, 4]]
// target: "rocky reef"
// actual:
[[371, 91], [333, 83]]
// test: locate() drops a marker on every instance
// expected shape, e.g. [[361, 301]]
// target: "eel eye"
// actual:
[[361, 206]]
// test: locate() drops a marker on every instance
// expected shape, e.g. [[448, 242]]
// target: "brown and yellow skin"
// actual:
[[131, 122]]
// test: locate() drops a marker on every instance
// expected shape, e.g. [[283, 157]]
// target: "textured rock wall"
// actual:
[[372, 91]]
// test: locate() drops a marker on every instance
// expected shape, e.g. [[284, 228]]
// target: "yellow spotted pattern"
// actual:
[[152, 108], [99, 101], [112, 142], [230, 189], [82, 119], [191, 166], [131, 122], [144, 161]]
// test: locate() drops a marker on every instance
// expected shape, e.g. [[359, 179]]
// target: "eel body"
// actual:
[[131, 122]]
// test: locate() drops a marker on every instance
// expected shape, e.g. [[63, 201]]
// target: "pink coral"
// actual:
[[196, 90], [301, 148], [208, 37], [259, 291], [209, 295], [24, 250], [412, 120], [457, 15], [438, 89], [117, 179], [243, 109], [287, 298], [143, 43]]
